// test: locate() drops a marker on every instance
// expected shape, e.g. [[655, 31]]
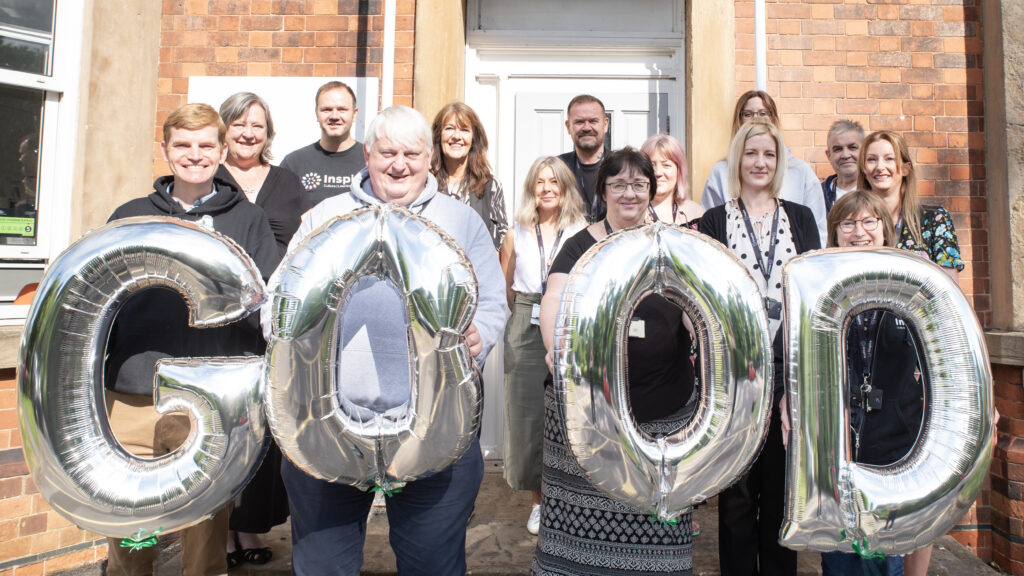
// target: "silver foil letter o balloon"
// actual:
[[833, 503], [665, 476], [78, 465], [438, 288]]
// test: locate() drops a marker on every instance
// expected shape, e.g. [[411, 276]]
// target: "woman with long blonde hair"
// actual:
[[550, 211]]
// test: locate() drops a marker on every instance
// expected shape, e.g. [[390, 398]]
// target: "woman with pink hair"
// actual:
[[671, 202]]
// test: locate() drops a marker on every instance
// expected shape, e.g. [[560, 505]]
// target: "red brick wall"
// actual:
[[33, 538], [1007, 479], [276, 38], [913, 66]]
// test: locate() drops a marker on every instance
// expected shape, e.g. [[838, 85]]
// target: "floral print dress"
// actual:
[[940, 243]]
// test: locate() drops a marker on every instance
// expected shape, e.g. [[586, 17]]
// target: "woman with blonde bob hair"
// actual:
[[550, 211], [671, 201], [460, 165], [764, 231]]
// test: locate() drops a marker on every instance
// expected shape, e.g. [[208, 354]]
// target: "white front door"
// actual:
[[521, 94]]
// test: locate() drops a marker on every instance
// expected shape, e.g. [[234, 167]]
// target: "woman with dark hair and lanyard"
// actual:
[[583, 530], [460, 165], [765, 232], [550, 211]]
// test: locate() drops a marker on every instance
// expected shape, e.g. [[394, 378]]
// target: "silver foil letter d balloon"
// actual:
[[834, 503], [77, 463]]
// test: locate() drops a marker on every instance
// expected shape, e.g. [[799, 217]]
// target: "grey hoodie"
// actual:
[[374, 367]]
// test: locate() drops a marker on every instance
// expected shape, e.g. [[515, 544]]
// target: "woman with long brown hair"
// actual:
[[461, 168]]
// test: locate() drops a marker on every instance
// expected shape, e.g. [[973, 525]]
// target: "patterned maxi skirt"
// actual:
[[585, 532]]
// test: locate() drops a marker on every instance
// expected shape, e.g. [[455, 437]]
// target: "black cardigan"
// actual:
[[801, 221]]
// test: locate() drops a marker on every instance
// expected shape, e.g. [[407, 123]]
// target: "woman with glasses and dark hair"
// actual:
[[460, 165], [801, 184], [264, 502], [764, 232], [885, 416], [583, 530]]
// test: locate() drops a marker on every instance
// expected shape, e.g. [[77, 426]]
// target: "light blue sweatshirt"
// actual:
[[374, 373]]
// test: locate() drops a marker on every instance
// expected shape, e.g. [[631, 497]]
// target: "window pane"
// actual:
[[26, 35], [36, 15], [19, 163], [24, 56]]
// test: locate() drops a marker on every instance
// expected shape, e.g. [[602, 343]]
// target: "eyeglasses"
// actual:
[[640, 186], [748, 114], [869, 224]]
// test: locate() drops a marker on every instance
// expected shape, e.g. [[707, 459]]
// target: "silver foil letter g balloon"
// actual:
[[78, 465], [437, 288], [664, 476]]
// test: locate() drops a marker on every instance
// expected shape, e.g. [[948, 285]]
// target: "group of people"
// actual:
[[761, 203]]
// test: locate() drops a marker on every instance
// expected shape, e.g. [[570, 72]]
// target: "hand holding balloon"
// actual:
[[473, 341]]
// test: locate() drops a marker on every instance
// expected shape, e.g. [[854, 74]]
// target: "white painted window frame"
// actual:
[[59, 143]]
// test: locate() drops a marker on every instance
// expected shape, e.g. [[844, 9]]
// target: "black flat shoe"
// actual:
[[235, 558], [257, 556]]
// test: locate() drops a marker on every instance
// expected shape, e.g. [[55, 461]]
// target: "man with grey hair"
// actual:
[[844, 138], [428, 518]]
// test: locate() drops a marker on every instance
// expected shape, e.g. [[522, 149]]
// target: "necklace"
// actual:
[[250, 181]]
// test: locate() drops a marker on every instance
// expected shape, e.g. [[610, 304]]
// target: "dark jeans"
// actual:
[[750, 515], [847, 564], [427, 521]]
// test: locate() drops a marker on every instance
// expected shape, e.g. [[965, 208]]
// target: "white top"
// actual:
[[742, 247], [526, 278]]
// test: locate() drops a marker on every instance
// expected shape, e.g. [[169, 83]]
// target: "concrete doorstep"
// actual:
[[498, 544]]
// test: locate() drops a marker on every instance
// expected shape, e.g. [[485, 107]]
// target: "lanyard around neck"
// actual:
[[766, 271], [654, 215], [545, 263]]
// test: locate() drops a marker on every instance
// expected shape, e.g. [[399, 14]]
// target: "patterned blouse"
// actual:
[[491, 207], [940, 242]]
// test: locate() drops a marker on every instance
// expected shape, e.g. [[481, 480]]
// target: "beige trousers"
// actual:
[[145, 432]]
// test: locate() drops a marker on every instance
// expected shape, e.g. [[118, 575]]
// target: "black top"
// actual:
[[325, 174], [660, 374], [886, 432], [153, 323], [801, 221], [283, 200], [586, 182], [804, 229]]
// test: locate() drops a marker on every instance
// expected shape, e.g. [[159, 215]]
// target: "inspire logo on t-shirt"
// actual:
[[310, 180]]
